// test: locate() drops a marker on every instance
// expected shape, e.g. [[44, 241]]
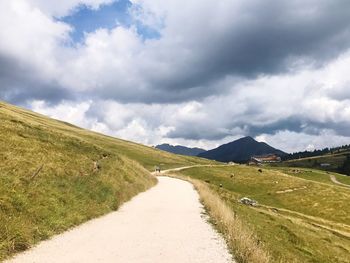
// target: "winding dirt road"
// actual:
[[334, 180], [188, 167], [164, 224]]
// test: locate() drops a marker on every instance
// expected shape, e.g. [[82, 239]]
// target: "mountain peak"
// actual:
[[240, 150], [247, 138], [178, 149]]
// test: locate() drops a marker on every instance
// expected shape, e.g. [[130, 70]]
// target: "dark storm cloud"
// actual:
[[198, 132], [340, 128], [295, 124], [262, 38], [298, 124], [341, 93], [169, 93], [202, 56], [19, 84], [277, 32], [267, 37], [208, 132]]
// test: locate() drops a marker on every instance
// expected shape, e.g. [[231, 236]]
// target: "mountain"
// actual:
[[178, 149], [240, 150]]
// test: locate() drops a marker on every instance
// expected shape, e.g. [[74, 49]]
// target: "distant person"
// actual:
[[157, 169]]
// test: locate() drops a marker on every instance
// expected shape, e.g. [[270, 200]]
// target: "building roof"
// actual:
[[267, 158]]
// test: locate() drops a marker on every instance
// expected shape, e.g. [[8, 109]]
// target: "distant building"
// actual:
[[268, 158], [325, 164]]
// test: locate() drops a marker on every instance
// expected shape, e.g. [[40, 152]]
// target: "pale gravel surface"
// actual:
[[334, 180], [164, 224]]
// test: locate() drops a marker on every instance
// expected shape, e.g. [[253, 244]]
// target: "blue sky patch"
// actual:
[[87, 20]]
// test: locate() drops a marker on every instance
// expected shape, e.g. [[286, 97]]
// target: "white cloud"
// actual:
[[259, 103], [69, 112], [64, 7], [31, 37], [202, 83], [294, 142], [104, 63]]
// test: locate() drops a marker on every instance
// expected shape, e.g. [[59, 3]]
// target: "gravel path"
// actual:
[[164, 224], [334, 180]]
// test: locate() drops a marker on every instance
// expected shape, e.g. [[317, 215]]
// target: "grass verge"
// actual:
[[242, 242], [296, 220], [32, 210]]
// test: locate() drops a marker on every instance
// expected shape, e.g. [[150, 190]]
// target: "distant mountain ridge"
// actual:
[[178, 149], [240, 150]]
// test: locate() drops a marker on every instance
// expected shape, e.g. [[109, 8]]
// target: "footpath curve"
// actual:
[[334, 180], [164, 224]]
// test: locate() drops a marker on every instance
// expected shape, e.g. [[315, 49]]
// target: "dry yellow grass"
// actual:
[[305, 225], [242, 242]]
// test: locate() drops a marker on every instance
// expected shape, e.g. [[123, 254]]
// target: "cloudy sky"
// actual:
[[190, 72]]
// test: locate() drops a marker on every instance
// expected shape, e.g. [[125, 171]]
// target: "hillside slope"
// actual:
[[55, 175], [178, 149], [299, 217], [334, 162], [240, 150]]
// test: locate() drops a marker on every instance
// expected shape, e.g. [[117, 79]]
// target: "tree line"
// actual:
[[316, 152]]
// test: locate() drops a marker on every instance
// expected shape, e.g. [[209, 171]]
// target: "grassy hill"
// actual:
[[178, 149], [54, 175], [301, 217], [333, 162]]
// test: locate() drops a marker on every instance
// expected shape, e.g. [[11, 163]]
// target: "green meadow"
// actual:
[[299, 218]]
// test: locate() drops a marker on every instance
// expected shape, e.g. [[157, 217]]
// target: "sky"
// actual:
[[195, 72]]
